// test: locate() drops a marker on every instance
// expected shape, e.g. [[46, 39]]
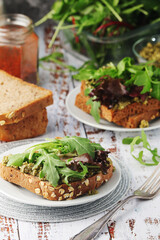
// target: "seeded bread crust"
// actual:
[[135, 121], [129, 117], [45, 189], [31, 126], [20, 99]]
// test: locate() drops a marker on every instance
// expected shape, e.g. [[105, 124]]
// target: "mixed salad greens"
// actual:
[[57, 160], [146, 146], [87, 24], [102, 18], [111, 84]]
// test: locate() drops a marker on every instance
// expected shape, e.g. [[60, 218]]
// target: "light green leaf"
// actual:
[[67, 172], [142, 79], [146, 145], [132, 9], [155, 90], [80, 145], [144, 139], [123, 65], [50, 171], [129, 140], [87, 91], [17, 159], [115, 2], [95, 109]]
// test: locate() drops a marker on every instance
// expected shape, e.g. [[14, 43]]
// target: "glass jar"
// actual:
[[18, 47]]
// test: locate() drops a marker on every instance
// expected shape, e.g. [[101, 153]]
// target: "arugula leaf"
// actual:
[[53, 156], [97, 146], [80, 145], [67, 172], [144, 140], [129, 140], [123, 64], [17, 159], [50, 171], [56, 57], [90, 72], [50, 146], [85, 73], [95, 108], [39, 160], [64, 146], [136, 141], [53, 167], [142, 79]]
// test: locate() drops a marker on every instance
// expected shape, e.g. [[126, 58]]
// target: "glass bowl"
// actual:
[[141, 43], [103, 50]]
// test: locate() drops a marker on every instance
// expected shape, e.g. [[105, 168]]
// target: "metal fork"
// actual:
[[148, 190]]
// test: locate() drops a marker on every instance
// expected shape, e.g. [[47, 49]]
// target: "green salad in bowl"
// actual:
[[103, 30]]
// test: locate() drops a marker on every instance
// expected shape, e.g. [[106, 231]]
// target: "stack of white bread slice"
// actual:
[[22, 108]]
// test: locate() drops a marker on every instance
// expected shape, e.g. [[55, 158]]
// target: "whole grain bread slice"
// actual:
[[136, 120], [45, 189], [20, 99], [29, 127]]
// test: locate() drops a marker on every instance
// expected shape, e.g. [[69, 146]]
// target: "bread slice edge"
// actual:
[[18, 113], [45, 189]]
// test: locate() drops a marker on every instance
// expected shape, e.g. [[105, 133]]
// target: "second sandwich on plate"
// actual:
[[127, 94]]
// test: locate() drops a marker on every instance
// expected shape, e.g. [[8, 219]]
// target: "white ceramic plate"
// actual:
[[104, 124], [22, 195]]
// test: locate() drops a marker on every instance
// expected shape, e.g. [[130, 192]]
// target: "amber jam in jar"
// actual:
[[18, 47]]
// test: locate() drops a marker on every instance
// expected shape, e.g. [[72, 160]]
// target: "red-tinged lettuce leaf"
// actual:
[[67, 172], [109, 91], [135, 91]]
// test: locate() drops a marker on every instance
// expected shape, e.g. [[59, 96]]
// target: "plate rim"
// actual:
[[48, 203], [70, 106]]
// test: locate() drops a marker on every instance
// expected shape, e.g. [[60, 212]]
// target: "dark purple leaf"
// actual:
[[109, 91], [135, 91]]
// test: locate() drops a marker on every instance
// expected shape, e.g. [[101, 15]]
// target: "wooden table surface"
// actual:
[[138, 220]]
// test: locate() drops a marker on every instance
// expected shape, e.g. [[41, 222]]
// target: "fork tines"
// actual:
[[152, 184]]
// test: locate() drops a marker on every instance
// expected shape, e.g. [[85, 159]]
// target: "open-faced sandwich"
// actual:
[[59, 169], [126, 94]]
